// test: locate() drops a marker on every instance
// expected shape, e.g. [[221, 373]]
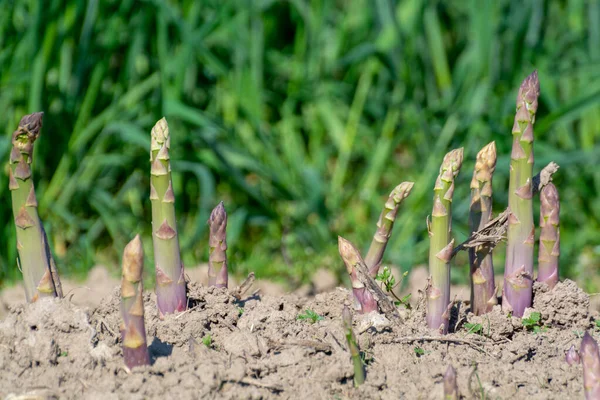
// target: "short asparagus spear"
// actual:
[[217, 259], [35, 258], [385, 225], [518, 271], [364, 298], [483, 286], [450, 386], [441, 243], [590, 358], [572, 356], [133, 331], [359, 367], [549, 236], [170, 281]]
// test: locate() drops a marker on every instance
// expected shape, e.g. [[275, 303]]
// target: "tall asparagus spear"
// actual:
[[549, 236], [133, 331], [217, 259], [483, 287], [35, 258], [364, 298], [441, 244], [359, 367], [518, 272], [385, 225], [450, 386], [170, 281], [590, 358]]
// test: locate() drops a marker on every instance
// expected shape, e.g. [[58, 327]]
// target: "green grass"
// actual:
[[300, 115]]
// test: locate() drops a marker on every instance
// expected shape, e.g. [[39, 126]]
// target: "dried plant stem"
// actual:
[[495, 230]]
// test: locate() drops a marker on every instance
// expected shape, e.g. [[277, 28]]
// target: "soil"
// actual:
[[257, 348]]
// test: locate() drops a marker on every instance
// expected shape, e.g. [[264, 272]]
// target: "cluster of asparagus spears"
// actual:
[[40, 276], [518, 276]]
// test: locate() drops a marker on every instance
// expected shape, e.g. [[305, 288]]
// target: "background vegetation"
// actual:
[[301, 115]]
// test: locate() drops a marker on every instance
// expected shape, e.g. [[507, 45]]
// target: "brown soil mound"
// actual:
[[258, 348]]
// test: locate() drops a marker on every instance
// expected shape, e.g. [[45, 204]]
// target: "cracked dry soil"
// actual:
[[258, 349]]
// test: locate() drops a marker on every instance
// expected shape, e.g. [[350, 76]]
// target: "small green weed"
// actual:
[[310, 316], [389, 284], [419, 351], [474, 328], [533, 323], [207, 341]]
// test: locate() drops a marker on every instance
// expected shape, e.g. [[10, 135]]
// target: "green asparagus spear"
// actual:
[[483, 287], [133, 331], [450, 386], [170, 281], [385, 225], [35, 259], [590, 358], [359, 367], [351, 257], [441, 243], [549, 236], [217, 259], [518, 271]]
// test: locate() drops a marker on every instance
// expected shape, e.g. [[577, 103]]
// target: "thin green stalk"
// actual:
[[549, 250], [385, 225], [170, 281], [133, 330], [217, 242], [35, 258], [483, 286], [365, 302], [359, 366], [518, 271], [441, 243]]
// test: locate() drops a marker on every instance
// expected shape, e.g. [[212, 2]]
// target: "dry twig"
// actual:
[[495, 230], [239, 291]]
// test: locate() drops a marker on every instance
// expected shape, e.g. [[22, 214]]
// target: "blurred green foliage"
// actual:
[[301, 115]]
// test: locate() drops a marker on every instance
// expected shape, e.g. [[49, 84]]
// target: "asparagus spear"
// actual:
[[518, 272], [385, 225], [217, 259], [572, 356], [483, 287], [441, 244], [590, 358], [364, 298], [35, 258], [450, 386], [133, 331], [549, 236], [359, 367], [170, 281]]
